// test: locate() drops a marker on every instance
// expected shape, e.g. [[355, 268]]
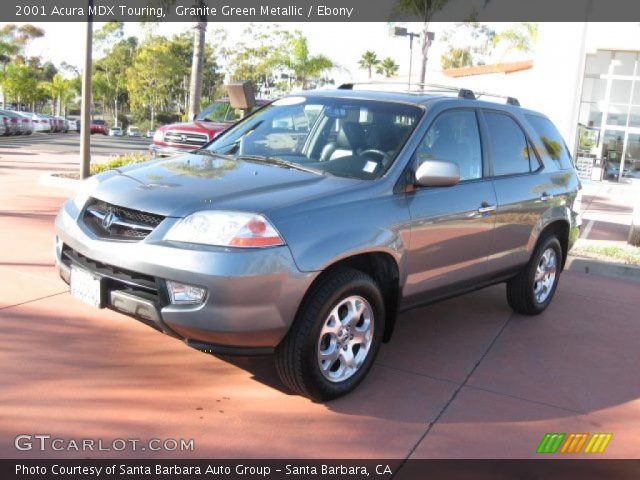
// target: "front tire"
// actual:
[[532, 290], [335, 337]]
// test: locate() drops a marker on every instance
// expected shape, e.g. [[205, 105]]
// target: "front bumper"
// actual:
[[167, 151], [252, 295]]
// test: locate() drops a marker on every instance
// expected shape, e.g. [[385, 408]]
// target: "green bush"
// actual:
[[119, 161]]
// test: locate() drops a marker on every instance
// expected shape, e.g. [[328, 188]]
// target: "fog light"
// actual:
[[182, 293]]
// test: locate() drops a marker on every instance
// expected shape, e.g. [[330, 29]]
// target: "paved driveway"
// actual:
[[463, 378]]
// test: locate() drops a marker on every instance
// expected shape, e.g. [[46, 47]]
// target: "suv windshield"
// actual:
[[343, 137], [220, 112]]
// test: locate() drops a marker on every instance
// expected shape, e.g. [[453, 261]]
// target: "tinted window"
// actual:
[[454, 137], [550, 142], [509, 146]]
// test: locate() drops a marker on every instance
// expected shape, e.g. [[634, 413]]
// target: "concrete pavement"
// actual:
[[465, 378]]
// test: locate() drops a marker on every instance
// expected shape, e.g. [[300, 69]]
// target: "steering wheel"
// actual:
[[384, 155]]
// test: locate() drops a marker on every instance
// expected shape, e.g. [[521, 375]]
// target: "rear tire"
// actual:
[[532, 290], [335, 337]]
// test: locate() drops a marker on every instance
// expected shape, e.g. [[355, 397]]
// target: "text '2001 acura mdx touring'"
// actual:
[[306, 227]]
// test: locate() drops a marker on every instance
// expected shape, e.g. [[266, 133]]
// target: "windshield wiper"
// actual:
[[280, 163]]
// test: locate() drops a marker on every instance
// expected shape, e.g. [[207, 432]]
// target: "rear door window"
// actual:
[[510, 150], [549, 142]]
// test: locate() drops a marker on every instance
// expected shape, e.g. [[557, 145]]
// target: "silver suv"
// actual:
[[305, 228]]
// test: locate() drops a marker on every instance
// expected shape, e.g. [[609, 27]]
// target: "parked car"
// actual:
[[7, 126], [133, 132], [73, 125], [189, 136], [304, 229], [98, 126], [64, 124], [150, 133], [40, 122], [14, 123], [26, 122], [115, 132], [3, 125]]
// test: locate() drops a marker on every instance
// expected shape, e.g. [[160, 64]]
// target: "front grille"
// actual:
[[118, 223], [185, 138]]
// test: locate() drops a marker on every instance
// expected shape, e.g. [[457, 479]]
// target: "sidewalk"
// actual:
[[465, 378]]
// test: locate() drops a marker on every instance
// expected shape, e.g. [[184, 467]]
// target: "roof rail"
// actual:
[[462, 92]]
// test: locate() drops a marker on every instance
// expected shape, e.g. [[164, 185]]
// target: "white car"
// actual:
[[115, 132], [73, 125], [133, 132], [39, 122]]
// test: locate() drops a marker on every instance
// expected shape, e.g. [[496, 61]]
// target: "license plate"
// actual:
[[85, 286]]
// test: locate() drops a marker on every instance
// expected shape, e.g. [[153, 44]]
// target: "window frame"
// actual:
[[483, 147], [530, 144]]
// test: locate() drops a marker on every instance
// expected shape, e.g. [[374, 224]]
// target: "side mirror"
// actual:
[[437, 173]]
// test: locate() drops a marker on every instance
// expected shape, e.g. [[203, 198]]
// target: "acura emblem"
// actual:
[[108, 220]]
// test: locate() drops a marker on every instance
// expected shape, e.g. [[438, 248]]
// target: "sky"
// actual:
[[61, 42]]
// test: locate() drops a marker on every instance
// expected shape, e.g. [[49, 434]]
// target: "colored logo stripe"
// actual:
[[574, 442], [598, 443], [551, 442]]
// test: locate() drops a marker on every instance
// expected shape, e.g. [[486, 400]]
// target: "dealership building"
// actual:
[[586, 78]]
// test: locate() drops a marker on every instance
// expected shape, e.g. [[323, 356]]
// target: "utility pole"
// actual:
[[85, 111]]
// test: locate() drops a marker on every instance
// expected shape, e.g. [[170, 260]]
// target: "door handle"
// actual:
[[545, 196], [486, 208]]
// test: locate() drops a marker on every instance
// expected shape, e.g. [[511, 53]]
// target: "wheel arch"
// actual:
[[383, 267]]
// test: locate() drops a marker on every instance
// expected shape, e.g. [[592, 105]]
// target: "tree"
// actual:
[[305, 66], [19, 83], [197, 63], [368, 61], [258, 61], [456, 58], [521, 37], [425, 9], [388, 67], [151, 76]]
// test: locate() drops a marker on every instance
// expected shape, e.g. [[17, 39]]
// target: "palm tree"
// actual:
[[197, 64], [305, 66], [368, 60], [425, 9], [388, 67]]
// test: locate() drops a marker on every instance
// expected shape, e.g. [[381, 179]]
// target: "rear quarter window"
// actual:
[[549, 142]]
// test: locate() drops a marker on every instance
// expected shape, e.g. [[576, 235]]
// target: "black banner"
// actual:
[[315, 10], [320, 469]]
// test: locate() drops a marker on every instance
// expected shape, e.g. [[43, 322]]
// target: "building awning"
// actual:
[[509, 67]]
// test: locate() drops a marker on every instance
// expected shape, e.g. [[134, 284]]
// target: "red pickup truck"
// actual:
[[189, 136]]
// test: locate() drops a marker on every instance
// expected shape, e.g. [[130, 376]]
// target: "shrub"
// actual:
[[119, 161]]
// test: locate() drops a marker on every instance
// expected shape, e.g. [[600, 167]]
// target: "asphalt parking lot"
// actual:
[[69, 144], [465, 378]]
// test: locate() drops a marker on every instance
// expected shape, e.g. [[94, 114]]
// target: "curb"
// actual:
[[49, 179], [597, 267]]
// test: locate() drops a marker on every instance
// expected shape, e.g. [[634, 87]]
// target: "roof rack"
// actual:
[[434, 87]]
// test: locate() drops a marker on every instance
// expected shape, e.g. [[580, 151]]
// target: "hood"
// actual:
[[197, 126], [181, 185]]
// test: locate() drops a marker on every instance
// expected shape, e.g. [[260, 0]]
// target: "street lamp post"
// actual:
[[403, 32], [85, 112]]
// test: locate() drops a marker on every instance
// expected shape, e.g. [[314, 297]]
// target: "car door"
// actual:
[[521, 190], [451, 227]]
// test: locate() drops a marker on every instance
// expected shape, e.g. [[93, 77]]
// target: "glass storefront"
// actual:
[[610, 103]]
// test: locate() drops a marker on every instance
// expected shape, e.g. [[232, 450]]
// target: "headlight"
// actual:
[[158, 136], [85, 189], [227, 229]]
